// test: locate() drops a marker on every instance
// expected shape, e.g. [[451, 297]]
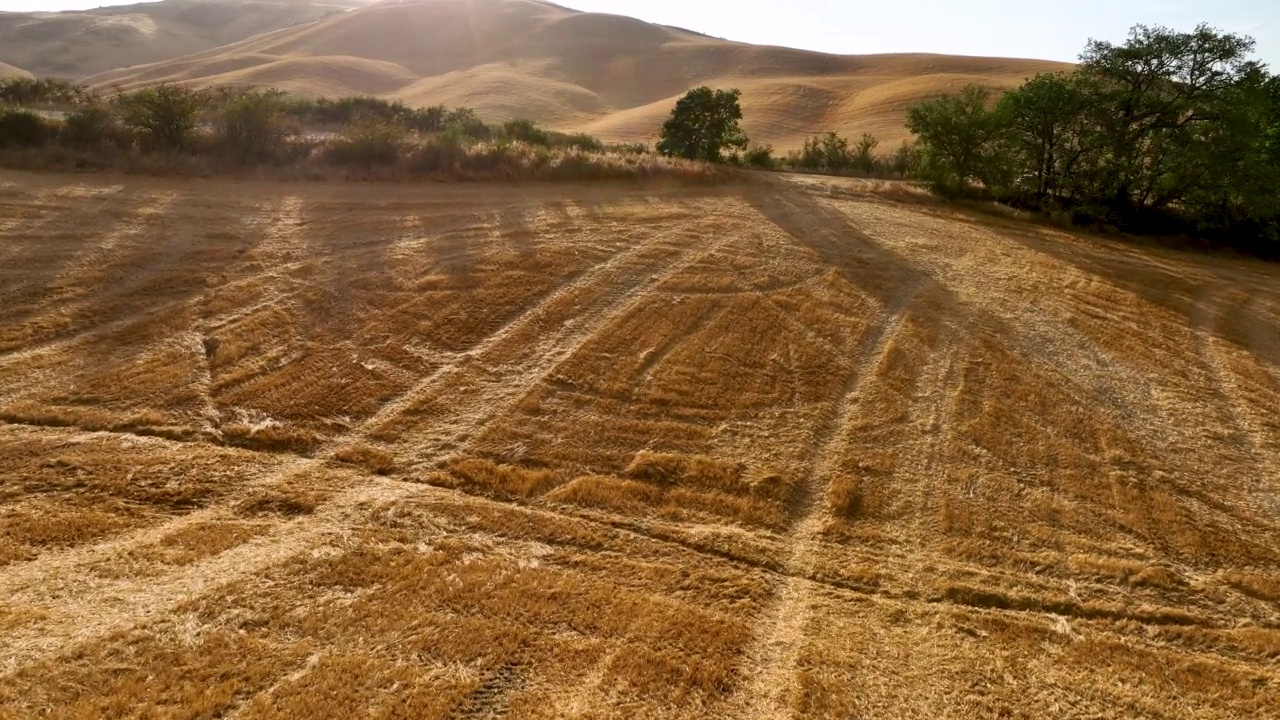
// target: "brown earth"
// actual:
[[786, 448]]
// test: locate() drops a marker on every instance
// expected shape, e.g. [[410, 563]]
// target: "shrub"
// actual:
[[759, 156], [862, 158], [630, 148], [905, 160], [829, 153], [164, 117], [425, 120], [444, 153], [252, 126], [24, 129], [347, 110], [27, 91], [467, 122], [580, 141], [526, 131], [302, 109], [92, 127], [367, 143]]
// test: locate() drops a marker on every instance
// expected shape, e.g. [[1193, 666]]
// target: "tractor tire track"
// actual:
[[461, 399], [1257, 443], [80, 285], [775, 651], [32, 582], [98, 608]]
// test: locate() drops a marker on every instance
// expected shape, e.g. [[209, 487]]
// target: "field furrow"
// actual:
[[783, 447]]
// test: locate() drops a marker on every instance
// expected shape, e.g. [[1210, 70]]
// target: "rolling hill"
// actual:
[[7, 70], [77, 44], [613, 76]]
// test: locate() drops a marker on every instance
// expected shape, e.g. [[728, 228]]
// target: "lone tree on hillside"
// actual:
[[704, 122]]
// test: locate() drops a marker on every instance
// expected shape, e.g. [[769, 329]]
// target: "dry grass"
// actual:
[[371, 458], [752, 451], [416, 159], [80, 43]]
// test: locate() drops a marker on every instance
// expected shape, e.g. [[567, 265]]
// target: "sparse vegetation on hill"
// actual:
[[1168, 132], [21, 90], [177, 128]]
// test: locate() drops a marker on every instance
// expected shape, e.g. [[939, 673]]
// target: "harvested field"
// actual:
[[784, 448]]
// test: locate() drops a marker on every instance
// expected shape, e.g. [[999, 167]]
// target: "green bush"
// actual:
[[759, 156], [904, 161], [630, 148], [443, 153], [344, 111], [25, 129], [828, 153], [467, 122], [525, 131], [251, 126], [369, 142], [28, 91], [425, 120], [164, 117], [92, 127], [579, 141], [862, 158]]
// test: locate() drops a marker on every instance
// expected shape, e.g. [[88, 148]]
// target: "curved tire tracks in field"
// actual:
[[775, 651], [118, 604], [1244, 418], [777, 646]]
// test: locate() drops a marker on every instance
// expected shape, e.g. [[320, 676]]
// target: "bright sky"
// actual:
[[1048, 29]]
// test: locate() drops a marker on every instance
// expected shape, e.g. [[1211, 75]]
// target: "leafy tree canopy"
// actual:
[[1167, 131], [703, 123]]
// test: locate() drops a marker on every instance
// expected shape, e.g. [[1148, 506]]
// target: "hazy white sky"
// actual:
[[1049, 29]]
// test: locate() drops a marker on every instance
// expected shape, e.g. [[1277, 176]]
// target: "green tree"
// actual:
[[863, 155], [1155, 101], [703, 123], [955, 133], [1043, 124], [827, 153], [1167, 132], [759, 156]]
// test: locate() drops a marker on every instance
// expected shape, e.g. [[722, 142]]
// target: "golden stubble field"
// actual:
[[784, 448]]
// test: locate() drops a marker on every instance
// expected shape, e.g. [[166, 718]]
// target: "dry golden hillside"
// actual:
[[7, 70], [613, 76], [76, 44], [764, 450]]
